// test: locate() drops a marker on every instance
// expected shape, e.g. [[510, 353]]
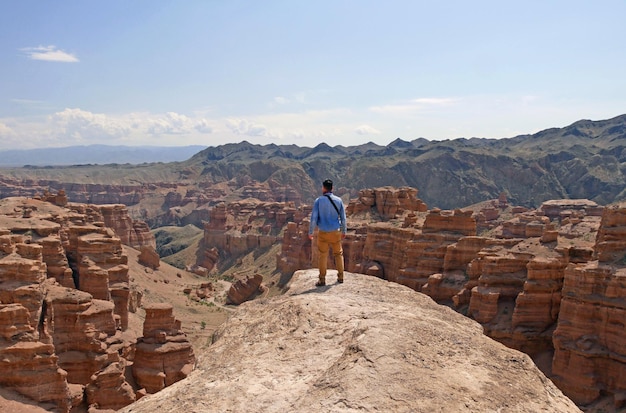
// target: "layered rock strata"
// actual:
[[590, 357], [532, 283], [239, 227], [163, 355], [65, 296]]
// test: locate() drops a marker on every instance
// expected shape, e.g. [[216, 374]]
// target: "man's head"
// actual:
[[327, 185]]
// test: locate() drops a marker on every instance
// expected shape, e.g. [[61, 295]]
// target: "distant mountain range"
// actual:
[[584, 160], [96, 154]]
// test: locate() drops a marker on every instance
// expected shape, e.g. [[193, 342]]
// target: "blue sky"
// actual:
[[303, 72]]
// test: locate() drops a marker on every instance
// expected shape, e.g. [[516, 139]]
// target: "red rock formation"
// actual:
[[108, 389], [21, 283], [30, 367], [29, 363], [79, 326], [149, 257], [60, 199], [457, 222], [244, 288], [387, 201], [59, 344], [56, 260], [295, 248], [163, 355], [525, 226], [588, 341], [559, 208], [132, 233], [611, 239], [100, 266], [240, 227]]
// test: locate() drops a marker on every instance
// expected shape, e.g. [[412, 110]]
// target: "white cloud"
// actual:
[[244, 127], [203, 126], [6, 131], [281, 100], [78, 125], [169, 124], [50, 54], [432, 118], [366, 130]]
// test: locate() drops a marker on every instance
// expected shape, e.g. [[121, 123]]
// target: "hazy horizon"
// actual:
[[162, 73]]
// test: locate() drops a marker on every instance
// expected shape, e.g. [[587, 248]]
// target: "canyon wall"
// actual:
[[243, 226], [517, 271], [536, 280], [64, 306], [590, 356]]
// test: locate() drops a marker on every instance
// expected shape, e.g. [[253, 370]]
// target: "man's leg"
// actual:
[[322, 248], [337, 253]]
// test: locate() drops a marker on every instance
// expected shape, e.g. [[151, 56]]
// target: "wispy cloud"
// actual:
[[366, 130], [281, 100], [434, 101], [49, 53], [414, 105]]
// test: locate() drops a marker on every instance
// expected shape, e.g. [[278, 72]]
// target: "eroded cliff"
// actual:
[[65, 297], [536, 280]]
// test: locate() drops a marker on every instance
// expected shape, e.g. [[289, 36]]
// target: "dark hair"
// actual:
[[328, 184]]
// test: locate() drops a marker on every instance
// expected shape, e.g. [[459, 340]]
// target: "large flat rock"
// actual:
[[366, 345]]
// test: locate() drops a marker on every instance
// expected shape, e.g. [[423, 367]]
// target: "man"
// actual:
[[330, 217]]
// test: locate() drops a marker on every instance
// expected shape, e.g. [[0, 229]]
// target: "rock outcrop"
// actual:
[[590, 355], [388, 202], [149, 257], [163, 355], [131, 232], [240, 227], [65, 296], [244, 288], [356, 336]]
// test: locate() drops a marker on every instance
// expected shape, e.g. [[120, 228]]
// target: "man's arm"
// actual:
[[344, 226], [314, 216]]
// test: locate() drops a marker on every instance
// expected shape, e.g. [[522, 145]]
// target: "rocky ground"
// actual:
[[366, 345]]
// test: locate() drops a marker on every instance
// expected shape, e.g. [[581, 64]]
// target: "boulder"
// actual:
[[244, 288], [149, 257]]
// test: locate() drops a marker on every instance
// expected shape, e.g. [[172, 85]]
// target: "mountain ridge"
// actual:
[[586, 159]]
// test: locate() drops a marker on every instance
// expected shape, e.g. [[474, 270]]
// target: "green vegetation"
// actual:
[[177, 246]]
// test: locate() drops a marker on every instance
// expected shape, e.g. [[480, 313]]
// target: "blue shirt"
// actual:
[[325, 217]]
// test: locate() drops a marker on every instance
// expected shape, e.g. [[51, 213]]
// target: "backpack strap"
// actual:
[[333, 204]]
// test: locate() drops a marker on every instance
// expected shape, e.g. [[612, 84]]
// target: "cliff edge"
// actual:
[[365, 345]]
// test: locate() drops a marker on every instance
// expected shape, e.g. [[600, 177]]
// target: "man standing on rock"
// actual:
[[329, 216]]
